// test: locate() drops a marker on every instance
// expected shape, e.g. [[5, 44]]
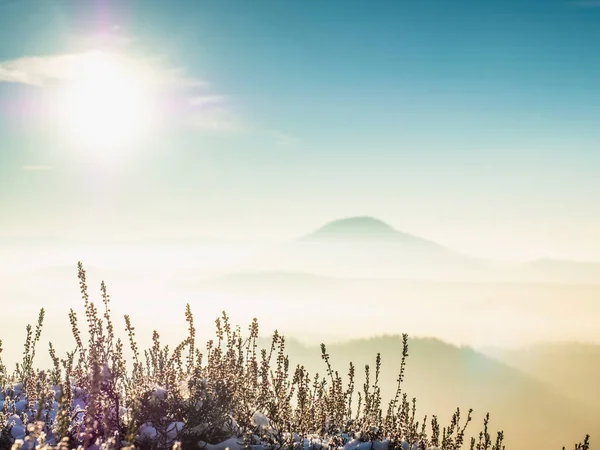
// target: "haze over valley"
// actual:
[[351, 268]]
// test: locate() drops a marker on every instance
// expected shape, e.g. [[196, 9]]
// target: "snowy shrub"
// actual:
[[231, 395]]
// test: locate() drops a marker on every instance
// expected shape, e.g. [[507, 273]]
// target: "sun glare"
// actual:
[[105, 109]]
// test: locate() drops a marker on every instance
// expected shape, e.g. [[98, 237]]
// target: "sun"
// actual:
[[105, 109]]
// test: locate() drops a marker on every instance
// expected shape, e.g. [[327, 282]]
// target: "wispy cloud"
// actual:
[[212, 113], [281, 138], [51, 69], [207, 100], [36, 168], [186, 100], [182, 97]]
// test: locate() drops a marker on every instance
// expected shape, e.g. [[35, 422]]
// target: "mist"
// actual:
[[331, 285]]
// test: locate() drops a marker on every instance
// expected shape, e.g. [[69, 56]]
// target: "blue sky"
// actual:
[[473, 123]]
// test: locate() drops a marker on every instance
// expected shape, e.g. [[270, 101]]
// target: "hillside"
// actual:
[[571, 368]]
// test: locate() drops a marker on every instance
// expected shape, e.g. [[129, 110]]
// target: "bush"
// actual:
[[232, 394]]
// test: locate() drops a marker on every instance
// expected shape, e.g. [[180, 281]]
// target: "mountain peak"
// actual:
[[357, 225]]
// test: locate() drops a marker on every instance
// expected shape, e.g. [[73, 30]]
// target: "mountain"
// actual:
[[365, 229], [572, 368], [368, 247]]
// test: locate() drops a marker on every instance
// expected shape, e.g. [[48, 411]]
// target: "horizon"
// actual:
[[204, 239]]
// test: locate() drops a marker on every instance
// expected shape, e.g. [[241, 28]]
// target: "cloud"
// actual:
[[212, 112], [36, 168], [184, 100], [207, 100], [183, 96], [51, 69], [281, 138]]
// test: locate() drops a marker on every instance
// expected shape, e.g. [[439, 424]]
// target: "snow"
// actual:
[[160, 393], [57, 392], [260, 420], [231, 444], [79, 404], [173, 430], [20, 406], [355, 444], [147, 431], [17, 430], [14, 400]]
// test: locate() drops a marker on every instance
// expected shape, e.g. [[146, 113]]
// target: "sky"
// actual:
[[470, 123]]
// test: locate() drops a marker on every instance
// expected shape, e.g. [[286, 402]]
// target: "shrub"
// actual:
[[231, 394]]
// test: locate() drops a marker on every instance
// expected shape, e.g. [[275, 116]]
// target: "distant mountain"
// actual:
[[365, 229], [571, 368], [368, 247]]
